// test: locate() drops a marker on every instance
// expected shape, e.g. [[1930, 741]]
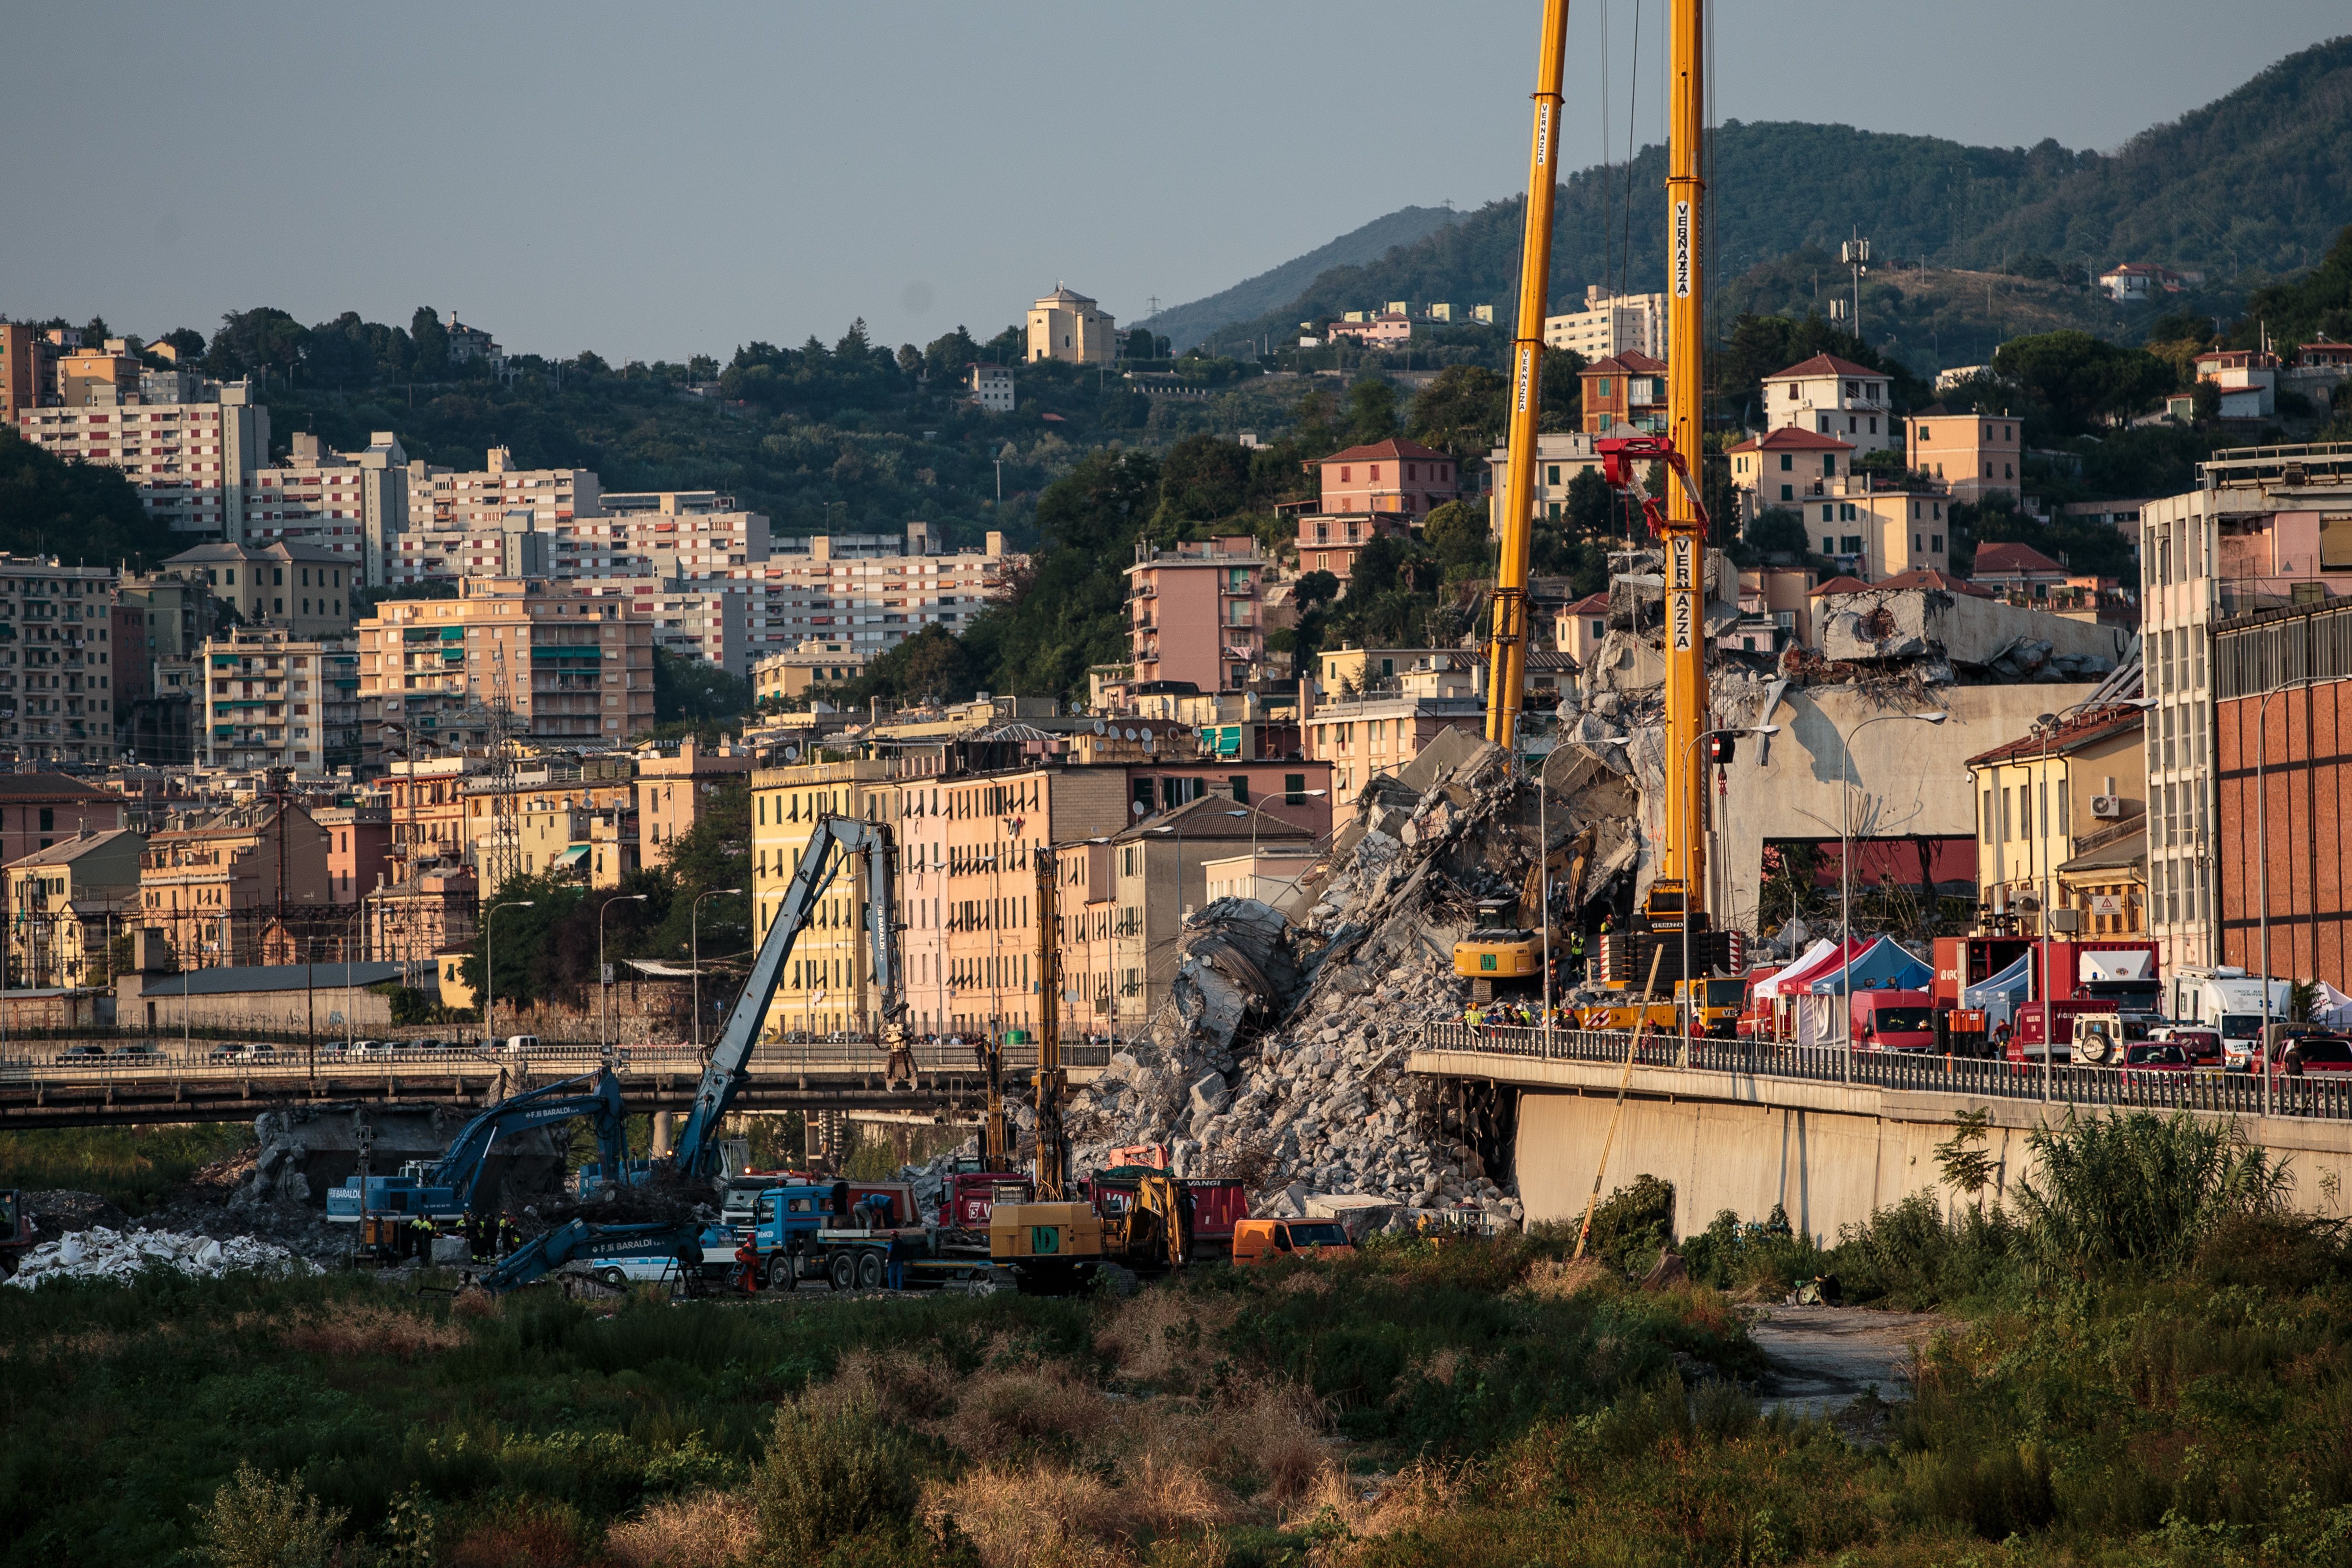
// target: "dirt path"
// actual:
[[1823, 1357]]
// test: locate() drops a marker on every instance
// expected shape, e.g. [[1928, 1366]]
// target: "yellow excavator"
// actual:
[[1675, 915]]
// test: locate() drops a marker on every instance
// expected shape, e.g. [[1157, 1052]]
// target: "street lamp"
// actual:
[[490, 977], [693, 922], [604, 975], [1845, 881], [1684, 1009]]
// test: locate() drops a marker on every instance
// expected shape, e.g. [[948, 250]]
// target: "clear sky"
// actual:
[[656, 180]]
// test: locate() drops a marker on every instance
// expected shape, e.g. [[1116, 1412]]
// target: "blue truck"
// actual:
[[867, 1241]]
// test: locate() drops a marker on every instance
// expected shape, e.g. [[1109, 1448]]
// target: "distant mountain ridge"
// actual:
[[1185, 325], [2252, 186]]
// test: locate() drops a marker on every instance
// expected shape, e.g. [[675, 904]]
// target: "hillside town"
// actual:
[[371, 691]]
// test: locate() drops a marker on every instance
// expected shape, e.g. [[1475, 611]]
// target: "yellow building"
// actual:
[[2068, 820], [829, 983], [1068, 327], [818, 661], [68, 903]]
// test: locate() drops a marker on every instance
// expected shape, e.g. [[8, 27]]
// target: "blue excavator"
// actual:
[[451, 1187], [694, 1160]]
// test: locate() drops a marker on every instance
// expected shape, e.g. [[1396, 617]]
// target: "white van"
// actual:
[[2228, 999], [519, 1044]]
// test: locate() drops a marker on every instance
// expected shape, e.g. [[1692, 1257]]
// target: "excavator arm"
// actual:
[[576, 1239], [834, 839], [596, 1095]]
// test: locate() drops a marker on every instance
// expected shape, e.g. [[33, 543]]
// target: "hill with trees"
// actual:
[[75, 511], [2247, 189]]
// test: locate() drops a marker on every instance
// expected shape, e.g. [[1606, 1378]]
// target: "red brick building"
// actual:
[[2283, 772]]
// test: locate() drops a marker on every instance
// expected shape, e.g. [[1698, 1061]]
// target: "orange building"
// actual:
[[1624, 389]]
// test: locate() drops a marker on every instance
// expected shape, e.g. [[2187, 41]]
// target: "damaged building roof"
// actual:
[[2082, 730]]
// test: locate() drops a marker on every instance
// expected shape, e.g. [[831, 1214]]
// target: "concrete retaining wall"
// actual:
[[1828, 1155]]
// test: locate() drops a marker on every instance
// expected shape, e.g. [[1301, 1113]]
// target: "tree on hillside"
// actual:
[[1372, 411], [2316, 305], [1562, 404], [185, 342], [428, 343], [1460, 412], [252, 343], [693, 690], [1203, 477], [1457, 536], [1590, 512], [2077, 383]]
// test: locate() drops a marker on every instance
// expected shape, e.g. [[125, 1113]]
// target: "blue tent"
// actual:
[[1999, 997], [1882, 966]]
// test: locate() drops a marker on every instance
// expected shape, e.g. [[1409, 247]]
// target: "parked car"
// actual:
[[138, 1049], [2154, 1059], [80, 1053], [2203, 1046], [1257, 1241], [2304, 1054]]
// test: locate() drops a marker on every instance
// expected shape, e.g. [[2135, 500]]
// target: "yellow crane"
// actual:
[[1677, 895]]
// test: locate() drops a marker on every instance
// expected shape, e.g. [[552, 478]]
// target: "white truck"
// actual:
[[2228, 999]]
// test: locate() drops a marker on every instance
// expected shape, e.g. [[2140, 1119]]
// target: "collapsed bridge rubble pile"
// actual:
[[1280, 1055]]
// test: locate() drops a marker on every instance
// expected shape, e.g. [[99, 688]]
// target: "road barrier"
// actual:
[[2322, 1095]]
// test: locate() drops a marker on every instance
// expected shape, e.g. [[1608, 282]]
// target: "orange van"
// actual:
[[1259, 1241]]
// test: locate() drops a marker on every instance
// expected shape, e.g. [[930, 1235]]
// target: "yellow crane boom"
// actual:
[[1681, 867], [1507, 661]]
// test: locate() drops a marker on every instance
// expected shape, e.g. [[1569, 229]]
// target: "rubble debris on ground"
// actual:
[[1280, 1054], [101, 1253]]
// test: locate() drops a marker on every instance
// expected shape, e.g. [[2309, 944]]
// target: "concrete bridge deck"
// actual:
[[1828, 1137], [822, 1075]]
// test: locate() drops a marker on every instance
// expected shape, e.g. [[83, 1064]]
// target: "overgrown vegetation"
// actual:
[[2174, 1397], [129, 1166]]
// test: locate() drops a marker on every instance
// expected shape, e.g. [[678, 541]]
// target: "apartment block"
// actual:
[[294, 584], [190, 446], [441, 500], [2047, 803], [1786, 467], [829, 983], [558, 818], [1069, 327], [1561, 456], [352, 503], [1393, 475], [273, 699], [665, 534], [212, 886], [819, 661], [2265, 537], [1195, 612], [833, 589], [56, 660], [698, 618], [1972, 455], [1832, 396], [569, 666], [28, 360], [1611, 324]]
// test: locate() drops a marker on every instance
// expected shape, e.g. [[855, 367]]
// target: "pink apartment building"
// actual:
[[1393, 475], [1196, 612]]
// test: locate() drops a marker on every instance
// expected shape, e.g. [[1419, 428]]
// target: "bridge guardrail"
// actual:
[[295, 1065], [2326, 1096]]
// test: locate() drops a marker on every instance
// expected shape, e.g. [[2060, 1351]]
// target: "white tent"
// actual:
[[2331, 1007]]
